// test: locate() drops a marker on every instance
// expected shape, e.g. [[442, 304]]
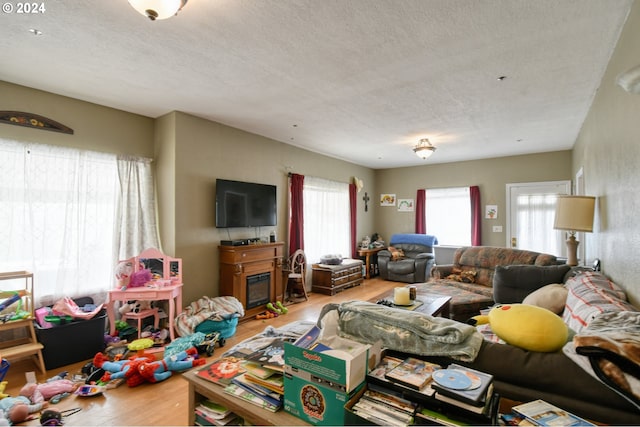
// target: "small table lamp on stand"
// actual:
[[574, 213]]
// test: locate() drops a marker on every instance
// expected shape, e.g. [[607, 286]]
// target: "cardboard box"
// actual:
[[316, 403], [346, 364]]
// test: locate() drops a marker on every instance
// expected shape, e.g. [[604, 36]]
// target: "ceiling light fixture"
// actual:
[[424, 149], [158, 9]]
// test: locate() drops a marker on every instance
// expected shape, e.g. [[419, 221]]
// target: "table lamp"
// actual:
[[574, 213]]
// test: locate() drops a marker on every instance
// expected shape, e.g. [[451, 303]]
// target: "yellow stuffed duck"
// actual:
[[526, 326]]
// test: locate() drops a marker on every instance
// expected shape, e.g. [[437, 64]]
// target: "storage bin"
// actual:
[[72, 342], [227, 328]]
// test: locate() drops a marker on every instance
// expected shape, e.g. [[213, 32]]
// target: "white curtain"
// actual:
[[136, 226], [448, 215], [326, 218], [58, 211], [536, 214]]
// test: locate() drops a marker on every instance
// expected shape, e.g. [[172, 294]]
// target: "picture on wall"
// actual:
[[491, 212], [387, 200], [405, 205]]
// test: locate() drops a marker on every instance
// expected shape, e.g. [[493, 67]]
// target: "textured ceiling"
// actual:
[[359, 80]]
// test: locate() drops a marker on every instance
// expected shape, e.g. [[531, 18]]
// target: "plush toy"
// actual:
[[17, 409], [526, 326], [140, 278], [160, 370], [127, 369], [124, 270], [42, 392], [134, 306]]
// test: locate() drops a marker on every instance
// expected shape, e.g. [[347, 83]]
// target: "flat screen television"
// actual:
[[245, 204]]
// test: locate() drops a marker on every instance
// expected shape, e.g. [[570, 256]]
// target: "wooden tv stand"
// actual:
[[239, 262]]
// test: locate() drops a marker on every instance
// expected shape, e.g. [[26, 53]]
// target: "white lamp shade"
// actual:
[[575, 213], [157, 9]]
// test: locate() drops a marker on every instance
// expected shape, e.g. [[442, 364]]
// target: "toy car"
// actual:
[[208, 344]]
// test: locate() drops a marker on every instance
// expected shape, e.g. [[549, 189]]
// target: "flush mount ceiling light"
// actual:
[[424, 149], [158, 9]]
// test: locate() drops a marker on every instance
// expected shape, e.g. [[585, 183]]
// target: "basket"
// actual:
[[227, 328]]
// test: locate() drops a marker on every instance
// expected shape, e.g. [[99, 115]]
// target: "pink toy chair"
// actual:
[[143, 315]]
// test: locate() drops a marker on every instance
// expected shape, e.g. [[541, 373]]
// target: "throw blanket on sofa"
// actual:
[[611, 343], [405, 331], [218, 308], [414, 239]]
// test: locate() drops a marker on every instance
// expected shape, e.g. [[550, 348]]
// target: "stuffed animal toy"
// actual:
[[134, 306], [124, 270], [127, 369], [526, 326], [42, 392], [140, 278], [17, 409], [160, 370]]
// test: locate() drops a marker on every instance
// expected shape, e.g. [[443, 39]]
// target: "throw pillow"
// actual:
[[552, 297], [512, 283]]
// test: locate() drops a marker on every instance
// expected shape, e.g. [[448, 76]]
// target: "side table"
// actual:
[[370, 262]]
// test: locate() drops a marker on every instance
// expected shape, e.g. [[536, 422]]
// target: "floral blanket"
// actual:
[[611, 344]]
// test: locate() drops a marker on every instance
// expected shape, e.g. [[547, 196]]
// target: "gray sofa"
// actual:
[[560, 377], [417, 260]]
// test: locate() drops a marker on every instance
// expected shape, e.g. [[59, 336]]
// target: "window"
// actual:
[[326, 218], [448, 215], [63, 211]]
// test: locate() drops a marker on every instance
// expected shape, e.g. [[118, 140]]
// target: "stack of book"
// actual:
[[256, 378], [408, 375], [212, 414], [464, 388], [382, 407]]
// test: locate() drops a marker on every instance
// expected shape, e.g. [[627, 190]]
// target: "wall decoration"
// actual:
[[366, 201], [34, 121], [405, 205], [387, 200], [491, 212]]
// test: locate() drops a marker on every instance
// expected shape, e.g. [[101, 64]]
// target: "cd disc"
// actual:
[[475, 380], [452, 378]]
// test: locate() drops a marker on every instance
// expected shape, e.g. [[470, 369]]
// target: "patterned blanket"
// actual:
[[611, 343], [217, 308]]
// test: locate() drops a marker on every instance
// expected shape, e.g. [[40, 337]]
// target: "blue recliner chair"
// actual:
[[415, 266]]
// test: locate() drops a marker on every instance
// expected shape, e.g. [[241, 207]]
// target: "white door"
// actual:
[[531, 215]]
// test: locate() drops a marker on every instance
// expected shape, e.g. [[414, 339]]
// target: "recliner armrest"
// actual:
[[384, 253], [427, 255]]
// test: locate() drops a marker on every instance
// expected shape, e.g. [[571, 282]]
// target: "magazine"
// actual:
[[543, 413], [222, 370]]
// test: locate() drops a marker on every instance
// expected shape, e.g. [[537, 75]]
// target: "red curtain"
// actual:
[[353, 193], [421, 222], [296, 219], [476, 216]]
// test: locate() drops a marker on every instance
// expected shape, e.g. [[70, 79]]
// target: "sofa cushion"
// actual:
[[512, 283], [590, 294], [552, 297]]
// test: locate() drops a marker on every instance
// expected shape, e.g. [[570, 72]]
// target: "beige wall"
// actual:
[[204, 151], [608, 150], [95, 127], [491, 175]]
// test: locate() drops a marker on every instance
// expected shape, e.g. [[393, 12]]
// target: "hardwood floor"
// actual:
[[165, 403]]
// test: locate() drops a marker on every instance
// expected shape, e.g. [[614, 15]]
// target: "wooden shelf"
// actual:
[[27, 346], [201, 389]]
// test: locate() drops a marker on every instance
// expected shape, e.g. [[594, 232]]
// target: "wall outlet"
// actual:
[[497, 229]]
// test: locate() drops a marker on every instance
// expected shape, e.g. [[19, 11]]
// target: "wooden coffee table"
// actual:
[[432, 304]]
